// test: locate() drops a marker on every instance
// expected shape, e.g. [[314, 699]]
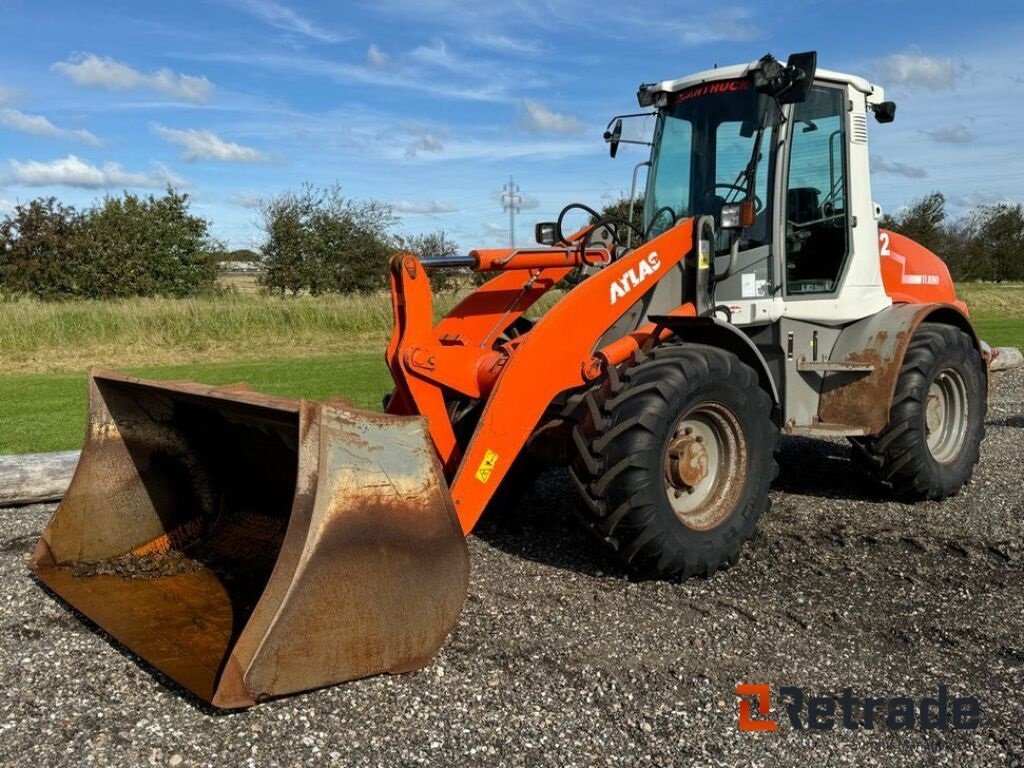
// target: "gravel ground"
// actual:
[[561, 658]]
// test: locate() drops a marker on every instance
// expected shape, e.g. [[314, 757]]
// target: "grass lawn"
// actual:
[[46, 411], [305, 347]]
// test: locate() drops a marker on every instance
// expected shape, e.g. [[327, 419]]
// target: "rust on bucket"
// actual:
[[250, 546]]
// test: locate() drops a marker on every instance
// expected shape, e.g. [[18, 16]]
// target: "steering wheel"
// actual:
[[758, 205], [657, 216]]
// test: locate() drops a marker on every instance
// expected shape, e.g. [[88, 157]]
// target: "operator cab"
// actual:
[[775, 154]]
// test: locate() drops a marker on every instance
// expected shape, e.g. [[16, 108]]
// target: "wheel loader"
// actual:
[[249, 546]]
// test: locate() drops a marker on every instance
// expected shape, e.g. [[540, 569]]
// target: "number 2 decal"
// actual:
[[883, 244]]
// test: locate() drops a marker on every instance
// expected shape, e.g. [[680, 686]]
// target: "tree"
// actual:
[[284, 254], [923, 221], [995, 242], [320, 241], [145, 246], [40, 250], [436, 245], [619, 209]]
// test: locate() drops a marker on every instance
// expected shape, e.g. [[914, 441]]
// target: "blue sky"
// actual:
[[431, 104]]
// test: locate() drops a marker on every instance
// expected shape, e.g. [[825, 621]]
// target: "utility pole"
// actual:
[[511, 200]]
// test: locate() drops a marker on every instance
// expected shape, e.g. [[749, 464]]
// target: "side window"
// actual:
[[671, 187], [732, 153], [816, 213]]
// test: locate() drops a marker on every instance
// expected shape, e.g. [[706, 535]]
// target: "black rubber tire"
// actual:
[[622, 433], [899, 457]]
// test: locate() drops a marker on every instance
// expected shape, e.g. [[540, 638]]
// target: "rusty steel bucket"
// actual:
[[250, 546]]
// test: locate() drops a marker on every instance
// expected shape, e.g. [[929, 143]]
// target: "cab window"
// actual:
[[817, 218]]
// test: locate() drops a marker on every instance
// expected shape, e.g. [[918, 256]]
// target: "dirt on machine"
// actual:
[[249, 546]]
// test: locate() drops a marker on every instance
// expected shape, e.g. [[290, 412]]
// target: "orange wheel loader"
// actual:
[[250, 546]]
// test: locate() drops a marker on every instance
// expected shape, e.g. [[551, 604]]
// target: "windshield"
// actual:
[[702, 148]]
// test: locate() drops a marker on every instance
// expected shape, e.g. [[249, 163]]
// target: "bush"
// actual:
[[319, 241], [40, 250], [126, 246], [437, 245], [146, 247]]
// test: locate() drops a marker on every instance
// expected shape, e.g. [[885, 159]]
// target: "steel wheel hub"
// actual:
[[705, 465], [945, 416]]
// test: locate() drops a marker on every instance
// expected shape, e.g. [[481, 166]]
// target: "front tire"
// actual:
[[931, 444], [675, 456]]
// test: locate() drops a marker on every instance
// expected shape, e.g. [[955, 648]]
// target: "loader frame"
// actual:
[[520, 377]]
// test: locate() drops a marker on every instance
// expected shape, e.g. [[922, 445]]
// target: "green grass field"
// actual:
[[305, 347], [46, 411]]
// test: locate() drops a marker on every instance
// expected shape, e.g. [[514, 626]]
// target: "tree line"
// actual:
[[315, 241], [123, 246], [319, 241], [986, 243]]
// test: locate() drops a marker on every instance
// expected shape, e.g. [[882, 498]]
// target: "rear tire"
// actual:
[[937, 418], [675, 456]]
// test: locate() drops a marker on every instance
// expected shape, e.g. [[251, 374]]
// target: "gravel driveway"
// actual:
[[562, 659]]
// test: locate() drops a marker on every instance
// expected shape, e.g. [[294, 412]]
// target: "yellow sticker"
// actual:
[[483, 472], [704, 255]]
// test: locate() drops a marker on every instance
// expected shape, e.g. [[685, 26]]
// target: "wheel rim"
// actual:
[[945, 416], [705, 465]]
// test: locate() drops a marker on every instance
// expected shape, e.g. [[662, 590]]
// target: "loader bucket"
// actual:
[[249, 546]]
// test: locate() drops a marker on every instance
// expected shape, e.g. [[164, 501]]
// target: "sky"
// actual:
[[431, 105]]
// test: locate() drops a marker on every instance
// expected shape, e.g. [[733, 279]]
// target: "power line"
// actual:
[[511, 201]]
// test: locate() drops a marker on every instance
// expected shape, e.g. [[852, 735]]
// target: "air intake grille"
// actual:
[[860, 129]]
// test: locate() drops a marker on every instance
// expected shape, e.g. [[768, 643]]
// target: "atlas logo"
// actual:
[[824, 713], [635, 276]]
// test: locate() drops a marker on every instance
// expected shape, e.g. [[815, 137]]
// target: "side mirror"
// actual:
[[545, 233], [800, 71], [613, 137], [885, 112]]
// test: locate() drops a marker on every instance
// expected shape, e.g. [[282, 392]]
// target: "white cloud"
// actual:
[[430, 206], [206, 145], [6, 94], [376, 58], [915, 70], [505, 43], [731, 25], [437, 55], [896, 168], [526, 202], [474, 81], [978, 198], [6, 206], [952, 134], [105, 72], [426, 143], [539, 119], [282, 17], [245, 200], [71, 171], [495, 229], [40, 126], [427, 139]]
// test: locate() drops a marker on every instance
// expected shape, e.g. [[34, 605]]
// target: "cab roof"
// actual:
[[874, 92]]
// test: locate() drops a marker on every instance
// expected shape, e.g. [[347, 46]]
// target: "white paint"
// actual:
[[634, 277]]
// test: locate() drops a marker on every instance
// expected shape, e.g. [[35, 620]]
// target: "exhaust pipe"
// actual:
[[250, 546]]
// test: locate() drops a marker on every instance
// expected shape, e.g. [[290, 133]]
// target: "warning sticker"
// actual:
[[703, 255], [483, 472]]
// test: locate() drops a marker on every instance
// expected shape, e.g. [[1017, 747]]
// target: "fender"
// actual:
[[881, 340], [718, 333]]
